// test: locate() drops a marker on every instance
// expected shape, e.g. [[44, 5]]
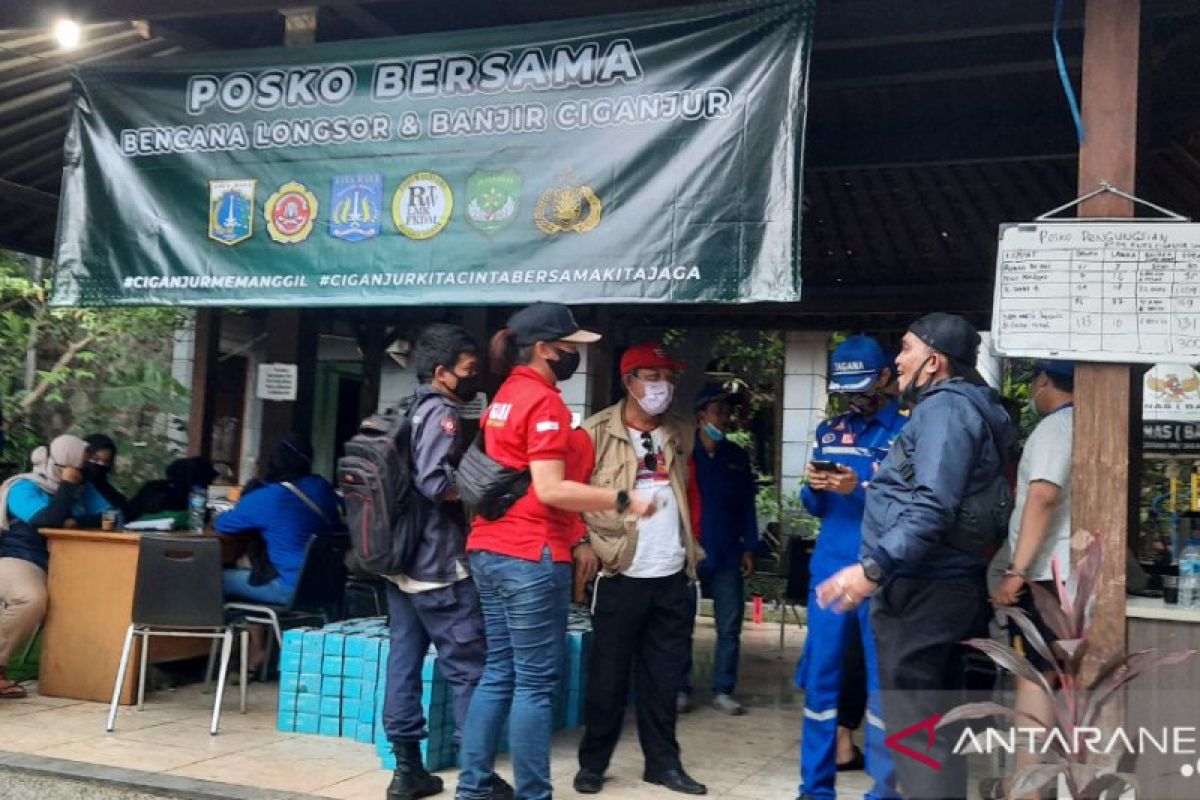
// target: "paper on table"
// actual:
[[164, 524]]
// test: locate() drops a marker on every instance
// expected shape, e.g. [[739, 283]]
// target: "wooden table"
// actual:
[[91, 580]]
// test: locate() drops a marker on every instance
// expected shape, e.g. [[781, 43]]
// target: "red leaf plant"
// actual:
[[1077, 703]]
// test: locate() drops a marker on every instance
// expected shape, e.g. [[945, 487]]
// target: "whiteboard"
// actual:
[[1104, 291]]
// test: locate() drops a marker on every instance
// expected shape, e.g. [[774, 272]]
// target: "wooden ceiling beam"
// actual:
[[363, 19], [26, 197], [941, 75]]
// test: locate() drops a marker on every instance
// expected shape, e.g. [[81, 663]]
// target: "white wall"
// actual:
[[804, 400]]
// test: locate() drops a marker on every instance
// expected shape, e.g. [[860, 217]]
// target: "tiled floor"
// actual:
[[752, 757]]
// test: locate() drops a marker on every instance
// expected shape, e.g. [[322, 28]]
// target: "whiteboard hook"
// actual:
[[1106, 187]]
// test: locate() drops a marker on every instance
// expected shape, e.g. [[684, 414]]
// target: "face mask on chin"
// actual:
[[657, 398], [713, 432], [1032, 402], [912, 393]]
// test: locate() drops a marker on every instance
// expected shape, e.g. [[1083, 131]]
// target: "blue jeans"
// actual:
[[525, 619], [726, 587], [272, 593]]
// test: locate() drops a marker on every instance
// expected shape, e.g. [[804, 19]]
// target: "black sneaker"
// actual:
[[588, 782]]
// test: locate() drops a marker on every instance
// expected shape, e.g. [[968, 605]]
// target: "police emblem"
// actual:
[[357, 202], [567, 206], [290, 213], [422, 204], [449, 426], [492, 199], [231, 210]]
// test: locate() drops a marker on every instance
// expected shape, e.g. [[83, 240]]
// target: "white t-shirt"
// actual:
[[1047, 457], [659, 545]]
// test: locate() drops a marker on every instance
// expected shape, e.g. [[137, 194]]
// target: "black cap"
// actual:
[[713, 392], [548, 322], [949, 334], [954, 336]]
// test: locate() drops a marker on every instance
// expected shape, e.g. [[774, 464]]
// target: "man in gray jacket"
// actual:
[[926, 574], [435, 600]]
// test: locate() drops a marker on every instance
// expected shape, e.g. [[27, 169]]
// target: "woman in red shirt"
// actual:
[[521, 561]]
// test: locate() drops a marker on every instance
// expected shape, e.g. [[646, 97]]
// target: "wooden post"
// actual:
[[206, 338], [1100, 494]]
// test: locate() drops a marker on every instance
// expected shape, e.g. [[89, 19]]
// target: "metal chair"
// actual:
[[178, 593], [320, 592]]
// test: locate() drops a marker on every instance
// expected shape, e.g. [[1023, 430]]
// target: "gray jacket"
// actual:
[[437, 447]]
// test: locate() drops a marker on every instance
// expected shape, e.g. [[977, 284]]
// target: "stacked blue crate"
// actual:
[[368, 708], [308, 685], [579, 649], [332, 671], [289, 678]]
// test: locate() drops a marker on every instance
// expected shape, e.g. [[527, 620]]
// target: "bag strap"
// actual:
[[308, 501]]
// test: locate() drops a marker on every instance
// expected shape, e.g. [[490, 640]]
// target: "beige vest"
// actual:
[[614, 536]]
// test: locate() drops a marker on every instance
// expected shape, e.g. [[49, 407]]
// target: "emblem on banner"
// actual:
[[357, 203], [231, 210], [492, 199], [567, 206], [290, 213], [422, 204]]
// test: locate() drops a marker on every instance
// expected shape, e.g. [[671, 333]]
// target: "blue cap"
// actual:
[[712, 392], [1064, 368], [855, 365]]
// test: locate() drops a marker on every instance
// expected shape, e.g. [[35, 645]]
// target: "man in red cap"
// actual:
[[642, 606]]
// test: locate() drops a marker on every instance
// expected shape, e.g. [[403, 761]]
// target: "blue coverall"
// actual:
[[860, 443]]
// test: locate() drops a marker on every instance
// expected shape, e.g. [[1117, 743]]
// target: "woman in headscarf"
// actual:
[[288, 506], [102, 452], [50, 495]]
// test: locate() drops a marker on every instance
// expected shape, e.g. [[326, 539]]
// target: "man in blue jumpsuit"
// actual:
[[856, 442], [435, 600]]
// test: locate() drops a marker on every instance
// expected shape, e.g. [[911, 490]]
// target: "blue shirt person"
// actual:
[[846, 454], [725, 483]]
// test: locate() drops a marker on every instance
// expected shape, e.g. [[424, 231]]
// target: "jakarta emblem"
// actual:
[[231, 210]]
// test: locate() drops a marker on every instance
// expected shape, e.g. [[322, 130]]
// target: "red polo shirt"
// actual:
[[528, 421]]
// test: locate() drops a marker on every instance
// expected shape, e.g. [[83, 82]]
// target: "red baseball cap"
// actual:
[[648, 355]]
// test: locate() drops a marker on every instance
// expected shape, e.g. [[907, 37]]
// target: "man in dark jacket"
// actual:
[[435, 600], [930, 585]]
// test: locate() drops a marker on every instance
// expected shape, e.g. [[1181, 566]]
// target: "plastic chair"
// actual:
[[178, 593], [320, 591]]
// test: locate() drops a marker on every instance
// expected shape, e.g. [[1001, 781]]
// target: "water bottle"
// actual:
[[197, 505], [1189, 575]]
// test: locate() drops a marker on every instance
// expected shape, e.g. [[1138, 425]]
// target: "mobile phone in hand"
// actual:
[[824, 466]]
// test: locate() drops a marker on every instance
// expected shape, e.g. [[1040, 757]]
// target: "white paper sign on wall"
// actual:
[[277, 381], [1171, 392]]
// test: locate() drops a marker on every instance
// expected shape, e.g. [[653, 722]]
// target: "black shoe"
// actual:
[[410, 780], [857, 761], [588, 782], [677, 781], [500, 788]]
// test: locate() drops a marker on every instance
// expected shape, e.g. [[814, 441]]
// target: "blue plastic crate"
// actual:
[[311, 662], [289, 662], [289, 682], [285, 721], [293, 640], [309, 684], [331, 706], [330, 726], [307, 723], [331, 686], [352, 667], [308, 703], [334, 643], [352, 687], [350, 708]]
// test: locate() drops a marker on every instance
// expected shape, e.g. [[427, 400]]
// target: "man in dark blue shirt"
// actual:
[[729, 533]]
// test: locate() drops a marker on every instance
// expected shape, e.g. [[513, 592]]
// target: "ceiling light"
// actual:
[[68, 33]]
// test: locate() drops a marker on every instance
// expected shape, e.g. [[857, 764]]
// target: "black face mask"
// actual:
[[96, 473], [912, 394], [566, 364], [466, 387]]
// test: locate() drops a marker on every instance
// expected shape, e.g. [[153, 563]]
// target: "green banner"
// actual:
[[651, 157]]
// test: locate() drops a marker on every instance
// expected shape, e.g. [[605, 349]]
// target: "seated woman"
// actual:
[[50, 495], [102, 452], [287, 507], [170, 497]]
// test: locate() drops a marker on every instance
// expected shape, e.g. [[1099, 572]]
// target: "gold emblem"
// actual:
[[290, 213], [567, 206]]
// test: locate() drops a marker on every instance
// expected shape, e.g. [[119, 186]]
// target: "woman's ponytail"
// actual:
[[502, 352]]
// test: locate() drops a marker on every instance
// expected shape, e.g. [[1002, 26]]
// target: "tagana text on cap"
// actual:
[[855, 365], [548, 322], [648, 355]]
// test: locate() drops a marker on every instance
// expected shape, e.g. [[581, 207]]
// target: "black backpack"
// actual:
[[384, 512]]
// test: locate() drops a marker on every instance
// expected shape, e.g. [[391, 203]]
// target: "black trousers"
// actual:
[[644, 624], [919, 625], [852, 699]]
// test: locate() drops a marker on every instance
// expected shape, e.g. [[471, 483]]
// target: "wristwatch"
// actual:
[[871, 569], [622, 501]]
